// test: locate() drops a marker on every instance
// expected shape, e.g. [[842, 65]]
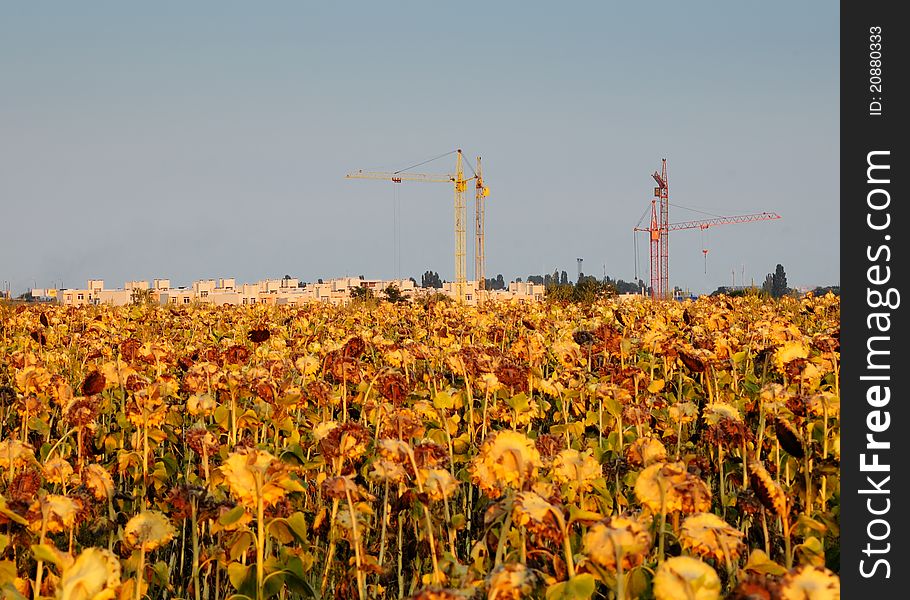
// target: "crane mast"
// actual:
[[461, 217], [660, 227], [480, 194]]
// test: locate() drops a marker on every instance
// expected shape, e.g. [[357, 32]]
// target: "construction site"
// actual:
[[658, 227]]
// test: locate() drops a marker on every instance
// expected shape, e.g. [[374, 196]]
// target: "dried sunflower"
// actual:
[[789, 438], [810, 583], [14, 453], [148, 530], [95, 575], [686, 577], [82, 410], [201, 404], [338, 488], [769, 491], [387, 471], [57, 470], [507, 460], [256, 473], [33, 380], [579, 469], [438, 484], [669, 487], [347, 441], [646, 451], [537, 515], [53, 512], [709, 536], [623, 537], [512, 581]]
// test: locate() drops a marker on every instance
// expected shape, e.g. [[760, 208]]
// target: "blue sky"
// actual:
[[207, 139]]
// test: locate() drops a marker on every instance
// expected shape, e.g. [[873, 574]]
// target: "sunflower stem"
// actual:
[[385, 522], [140, 575], [357, 558], [260, 537], [503, 532]]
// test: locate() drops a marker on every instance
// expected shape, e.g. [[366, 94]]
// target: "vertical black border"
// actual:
[[862, 133]]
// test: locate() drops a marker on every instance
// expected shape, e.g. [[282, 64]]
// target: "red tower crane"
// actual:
[[660, 227]]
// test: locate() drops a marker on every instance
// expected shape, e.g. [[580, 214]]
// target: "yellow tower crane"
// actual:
[[460, 185]]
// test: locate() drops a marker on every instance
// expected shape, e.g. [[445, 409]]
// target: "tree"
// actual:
[[140, 296], [768, 285], [430, 279], [495, 283], [361, 292], [779, 282], [393, 294]]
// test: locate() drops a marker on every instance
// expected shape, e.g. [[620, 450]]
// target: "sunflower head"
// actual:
[[817, 583], [54, 512], [621, 538], [512, 581], [646, 451], [57, 470], [538, 516], [770, 493], [686, 577], [669, 487], [94, 575], [507, 460], [99, 481], [709, 536], [438, 484], [148, 530], [14, 453], [255, 473], [578, 469]]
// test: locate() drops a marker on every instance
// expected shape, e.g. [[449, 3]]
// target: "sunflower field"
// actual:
[[621, 450]]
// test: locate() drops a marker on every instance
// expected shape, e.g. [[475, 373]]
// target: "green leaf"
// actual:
[[580, 587], [296, 452], [37, 424], [47, 553], [8, 572], [806, 525], [240, 545], [443, 401], [8, 513], [278, 528], [612, 406], [297, 523], [161, 573], [519, 403], [243, 578], [811, 552], [760, 563], [578, 514], [231, 516]]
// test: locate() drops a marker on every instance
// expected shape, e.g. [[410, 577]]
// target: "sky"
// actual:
[[193, 140]]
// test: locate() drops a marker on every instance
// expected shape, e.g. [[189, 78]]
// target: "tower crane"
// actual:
[[480, 194], [660, 227], [460, 185]]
